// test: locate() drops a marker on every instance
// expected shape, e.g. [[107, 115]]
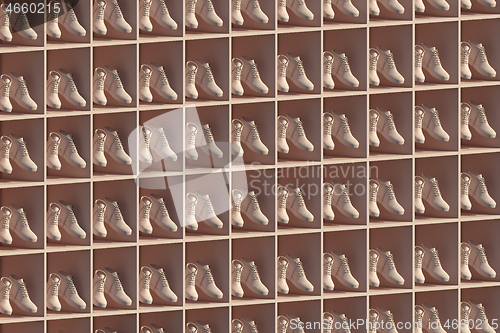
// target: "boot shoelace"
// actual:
[[300, 127], [146, 280], [71, 214], [117, 211], [71, 283], [435, 57], [328, 123], [345, 124], [163, 76], [482, 314], [24, 87], [435, 118], [101, 280], [282, 327], [147, 136], [435, 188], [419, 56], [327, 267], [373, 263], [100, 142], [54, 290], [71, 11], [191, 136], [191, 207], [146, 8], [209, 137], [373, 321], [117, 80], [101, 77], [208, 275], [390, 319], [238, 329], [146, 210], [345, 194], [117, 10], [464, 313], [300, 66], [6, 290], [117, 141], [390, 261], [419, 186], [54, 84], [238, 67], [482, 184], [373, 61], [327, 63], [282, 66], [328, 195], [373, 192], [300, 268], [254, 70], [163, 137], [345, 264], [373, 122], [419, 256], [300, 197], [116, 281], [282, 127], [419, 118], [146, 78], [237, 203], [254, 271], [100, 214], [435, 257], [256, 5], [253, 200], [237, 273], [24, 21], [390, 191], [101, 6], [390, 60], [282, 3], [163, 278], [6, 220], [237, 129], [191, 277], [283, 196], [163, 207], [465, 185], [482, 254], [482, 53], [23, 289], [345, 324], [5, 18], [191, 6], [345, 63], [209, 5], [390, 121], [6, 149], [482, 114], [236, 4], [71, 144], [465, 254], [191, 74], [282, 269], [301, 2], [163, 6], [465, 54], [465, 116], [23, 218], [6, 87], [208, 73], [254, 131], [209, 206], [419, 316]]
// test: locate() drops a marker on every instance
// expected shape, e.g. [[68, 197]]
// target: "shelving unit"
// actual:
[[34, 191]]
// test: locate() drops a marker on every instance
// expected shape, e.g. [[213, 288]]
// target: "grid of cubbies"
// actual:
[[262, 42]]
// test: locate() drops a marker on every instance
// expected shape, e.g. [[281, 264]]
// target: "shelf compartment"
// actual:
[[77, 195], [309, 180], [130, 14], [170, 258], [124, 192], [223, 11], [391, 38], [399, 173], [83, 13], [262, 182], [264, 117], [169, 188], [486, 297], [126, 66], [353, 175], [443, 237], [306, 247], [398, 241], [216, 255], [77, 264], [342, 40], [168, 55], [124, 262], [448, 184], [257, 250], [215, 52], [176, 11], [309, 112], [342, 241], [79, 127]]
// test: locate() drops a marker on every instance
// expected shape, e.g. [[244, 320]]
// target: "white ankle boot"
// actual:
[[98, 227], [419, 58], [296, 204], [327, 131], [5, 165], [145, 204], [479, 261], [479, 122], [387, 268], [114, 86], [296, 134], [387, 66], [373, 207], [114, 147], [113, 14], [98, 86], [190, 282], [19, 223], [282, 269], [282, 200], [19, 294], [159, 12], [53, 285], [387, 127], [465, 111], [465, 49], [373, 137], [373, 277], [98, 148], [210, 147], [327, 271], [69, 293], [190, 211], [19, 153], [70, 21], [53, 82], [295, 273], [159, 284], [98, 26], [282, 70], [387, 197], [328, 213], [250, 74], [205, 211], [478, 59], [419, 187], [431, 320], [299, 8], [114, 288], [205, 78], [282, 130], [346, 7], [5, 236], [342, 272], [479, 191], [432, 194], [159, 81], [67, 149], [159, 214], [478, 314], [250, 277], [327, 70], [19, 92], [374, 57], [114, 217], [250, 136], [296, 73], [99, 280], [432, 63], [236, 69], [250, 207], [419, 258], [432, 264], [205, 281], [205, 9], [145, 275], [342, 70], [236, 271], [432, 124], [342, 201], [465, 180], [342, 131], [190, 87], [465, 251]]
